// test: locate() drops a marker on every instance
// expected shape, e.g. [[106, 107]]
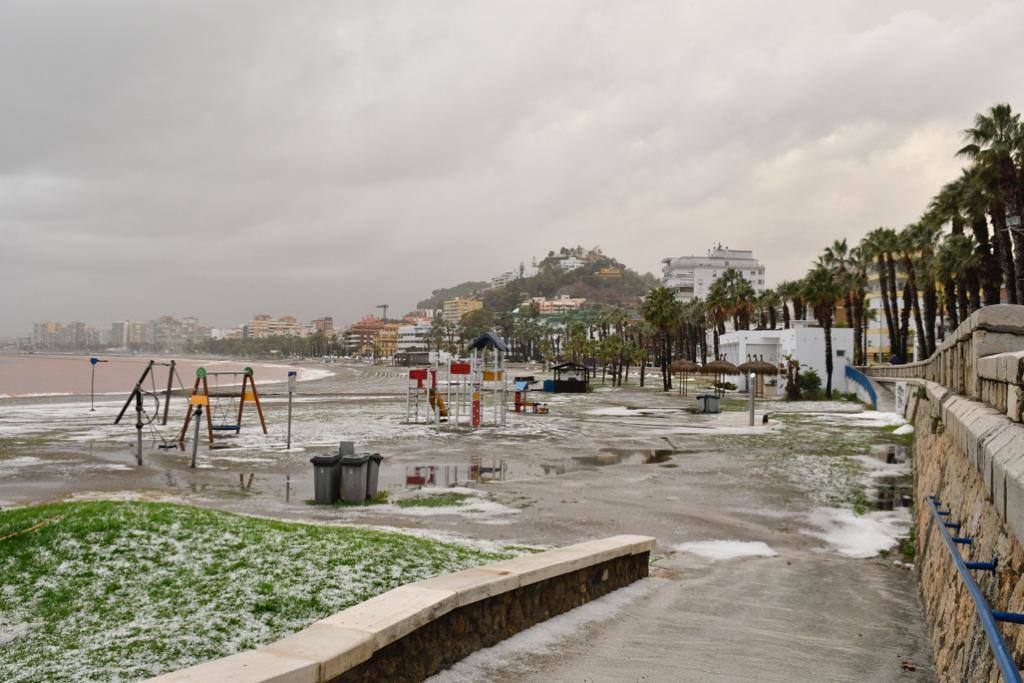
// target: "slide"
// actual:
[[434, 396]]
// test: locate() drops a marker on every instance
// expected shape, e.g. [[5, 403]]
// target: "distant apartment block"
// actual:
[[360, 337], [324, 324], [54, 335], [691, 277], [454, 309], [558, 305], [415, 337], [263, 325]]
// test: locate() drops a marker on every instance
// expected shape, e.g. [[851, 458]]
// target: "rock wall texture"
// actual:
[[451, 637], [943, 468]]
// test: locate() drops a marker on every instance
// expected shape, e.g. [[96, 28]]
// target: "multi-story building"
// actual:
[[46, 335], [691, 277], [120, 333], [415, 337], [324, 324], [558, 305], [360, 337], [263, 325], [387, 339], [454, 309]]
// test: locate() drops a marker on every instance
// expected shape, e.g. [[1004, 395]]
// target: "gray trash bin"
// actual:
[[707, 403], [326, 478], [346, 448], [353, 478], [372, 474]]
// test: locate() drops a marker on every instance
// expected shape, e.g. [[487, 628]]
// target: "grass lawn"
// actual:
[[815, 452], [126, 590]]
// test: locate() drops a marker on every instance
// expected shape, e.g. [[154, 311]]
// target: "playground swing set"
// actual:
[[220, 418], [139, 396]]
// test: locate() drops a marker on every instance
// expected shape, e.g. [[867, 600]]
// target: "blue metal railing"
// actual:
[[988, 617], [861, 379]]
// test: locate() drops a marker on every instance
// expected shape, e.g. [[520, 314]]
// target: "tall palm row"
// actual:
[[966, 251]]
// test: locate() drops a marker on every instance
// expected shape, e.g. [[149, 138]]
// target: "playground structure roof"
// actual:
[[489, 340]]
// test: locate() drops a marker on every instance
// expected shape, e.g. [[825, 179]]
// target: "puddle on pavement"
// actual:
[[893, 493], [627, 456]]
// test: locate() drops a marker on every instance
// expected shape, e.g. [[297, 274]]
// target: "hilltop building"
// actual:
[[454, 309], [558, 305], [690, 277]]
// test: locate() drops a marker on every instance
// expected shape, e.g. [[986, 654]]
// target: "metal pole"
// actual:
[[92, 390], [138, 427], [289, 444], [750, 388], [195, 441]]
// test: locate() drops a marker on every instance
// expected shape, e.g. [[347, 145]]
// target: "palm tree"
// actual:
[[836, 257], [822, 292], [953, 263], [879, 244], [992, 143], [662, 311], [855, 284]]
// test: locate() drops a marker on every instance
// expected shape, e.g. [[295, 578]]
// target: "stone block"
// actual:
[[248, 667], [1003, 317], [389, 616], [336, 649], [474, 584], [533, 568], [987, 343]]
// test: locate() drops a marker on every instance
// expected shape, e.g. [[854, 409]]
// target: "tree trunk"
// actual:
[[858, 324], [930, 306], [1002, 238], [785, 315], [904, 332], [827, 324], [949, 289], [883, 284], [922, 340], [988, 260], [901, 342]]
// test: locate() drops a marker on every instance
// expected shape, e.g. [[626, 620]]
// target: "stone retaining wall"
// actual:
[[961, 361], [953, 461], [416, 630]]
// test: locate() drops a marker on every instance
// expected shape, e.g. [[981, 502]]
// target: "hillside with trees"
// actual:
[[439, 296], [602, 280]]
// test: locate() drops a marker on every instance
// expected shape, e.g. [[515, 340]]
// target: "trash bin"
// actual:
[[326, 478], [346, 448], [353, 478], [372, 474], [707, 403]]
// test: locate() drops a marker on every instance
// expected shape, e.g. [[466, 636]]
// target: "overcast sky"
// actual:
[[227, 158]]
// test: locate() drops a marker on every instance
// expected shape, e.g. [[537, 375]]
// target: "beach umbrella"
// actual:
[[760, 368], [683, 368], [719, 368]]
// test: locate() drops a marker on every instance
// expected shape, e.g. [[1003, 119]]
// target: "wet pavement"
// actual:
[[627, 460]]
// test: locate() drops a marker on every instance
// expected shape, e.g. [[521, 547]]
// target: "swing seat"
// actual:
[[225, 428]]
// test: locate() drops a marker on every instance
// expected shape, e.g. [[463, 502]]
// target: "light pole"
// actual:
[[92, 384], [751, 378]]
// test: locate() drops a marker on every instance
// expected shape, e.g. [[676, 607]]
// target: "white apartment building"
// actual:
[[414, 337], [690, 277]]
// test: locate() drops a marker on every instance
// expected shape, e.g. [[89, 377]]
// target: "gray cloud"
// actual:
[[222, 159]]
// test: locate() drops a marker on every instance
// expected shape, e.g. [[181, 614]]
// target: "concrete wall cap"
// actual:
[[248, 667], [389, 616], [334, 648], [471, 585]]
